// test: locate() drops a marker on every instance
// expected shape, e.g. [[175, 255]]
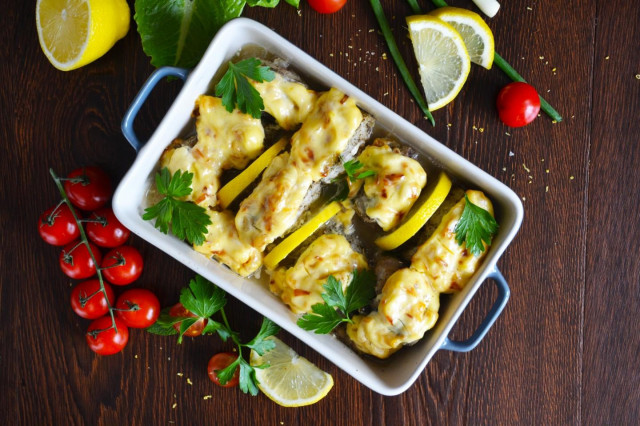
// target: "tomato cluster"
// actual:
[[88, 189]]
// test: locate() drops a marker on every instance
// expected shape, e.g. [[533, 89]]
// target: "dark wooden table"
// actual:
[[565, 350]]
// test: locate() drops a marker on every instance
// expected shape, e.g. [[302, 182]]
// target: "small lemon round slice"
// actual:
[[289, 380], [235, 186], [475, 32], [412, 225], [296, 238], [73, 33], [442, 58]]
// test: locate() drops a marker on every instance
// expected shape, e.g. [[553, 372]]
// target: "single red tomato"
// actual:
[[178, 310], [88, 188], [88, 301], [220, 361], [122, 265], [57, 226], [138, 308], [106, 231], [75, 260], [326, 6], [518, 104], [103, 339]]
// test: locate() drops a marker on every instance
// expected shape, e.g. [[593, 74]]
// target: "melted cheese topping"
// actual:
[[225, 140], [300, 286], [223, 244], [446, 263], [286, 101], [274, 205], [325, 133], [396, 186]]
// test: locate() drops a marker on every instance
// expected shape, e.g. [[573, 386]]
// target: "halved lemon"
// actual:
[[296, 238], [409, 228], [235, 186], [475, 32], [290, 380], [442, 58], [73, 33]]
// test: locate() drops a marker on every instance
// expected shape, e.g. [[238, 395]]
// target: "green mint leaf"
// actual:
[[227, 373], [177, 32], [248, 380], [360, 291], [164, 324], [202, 297], [323, 319], [475, 226], [333, 295], [260, 343], [235, 89]]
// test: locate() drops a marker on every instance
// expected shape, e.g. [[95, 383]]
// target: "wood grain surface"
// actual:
[[564, 351]]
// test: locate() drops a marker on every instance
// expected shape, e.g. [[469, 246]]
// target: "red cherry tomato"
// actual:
[[57, 226], [178, 310], [88, 301], [88, 188], [220, 361], [138, 308], [109, 232], [327, 6], [122, 265], [107, 342], [518, 104], [76, 262]]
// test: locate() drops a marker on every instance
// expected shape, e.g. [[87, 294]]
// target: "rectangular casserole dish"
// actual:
[[389, 377]]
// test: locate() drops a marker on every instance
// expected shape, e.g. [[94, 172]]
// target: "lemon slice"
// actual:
[[235, 186], [290, 380], [476, 34], [409, 228], [73, 33], [296, 238], [442, 58]]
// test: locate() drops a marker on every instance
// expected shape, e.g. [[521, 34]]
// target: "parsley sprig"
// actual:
[[188, 220], [475, 226], [338, 306], [204, 299], [236, 90], [351, 167]]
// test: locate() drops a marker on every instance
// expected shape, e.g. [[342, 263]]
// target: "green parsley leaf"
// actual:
[[164, 324], [248, 379], [258, 343], [351, 167], [338, 306], [475, 226], [188, 220], [202, 297], [236, 91], [226, 374]]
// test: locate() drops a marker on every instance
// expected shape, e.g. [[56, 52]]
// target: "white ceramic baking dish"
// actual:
[[388, 377]]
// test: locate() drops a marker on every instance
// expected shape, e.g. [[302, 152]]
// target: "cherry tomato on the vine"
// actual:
[[122, 265], [88, 301], [518, 104], [220, 361], [89, 188], [107, 231], [138, 308], [107, 341], [75, 260], [57, 226], [326, 6], [178, 310]]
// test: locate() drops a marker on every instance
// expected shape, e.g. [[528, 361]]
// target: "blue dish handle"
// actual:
[[141, 97], [496, 310]]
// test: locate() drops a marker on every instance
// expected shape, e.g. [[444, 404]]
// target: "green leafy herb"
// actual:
[[338, 306], [475, 226], [236, 90], [351, 167], [188, 220], [204, 299]]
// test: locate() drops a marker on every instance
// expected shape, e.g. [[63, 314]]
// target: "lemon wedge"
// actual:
[[442, 58], [290, 380], [412, 225], [475, 32], [235, 186], [296, 238], [73, 33]]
